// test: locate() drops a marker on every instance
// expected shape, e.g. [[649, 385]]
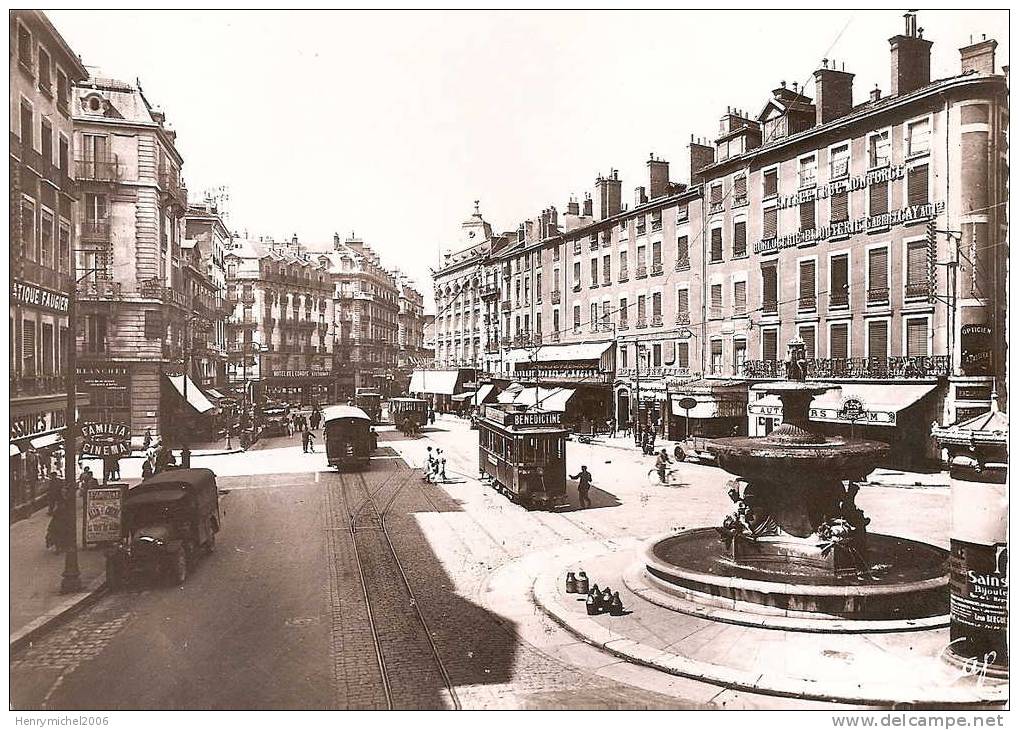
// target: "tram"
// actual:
[[403, 409], [348, 435], [524, 453], [369, 400]]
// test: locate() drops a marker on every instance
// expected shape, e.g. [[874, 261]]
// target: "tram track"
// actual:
[[407, 655]]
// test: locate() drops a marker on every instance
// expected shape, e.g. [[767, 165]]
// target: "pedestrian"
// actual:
[[115, 461], [107, 468], [147, 439], [61, 531], [54, 492], [373, 438], [87, 480], [229, 436], [31, 470], [431, 415], [316, 419], [583, 486], [442, 466], [307, 441], [147, 468], [429, 464], [637, 435]]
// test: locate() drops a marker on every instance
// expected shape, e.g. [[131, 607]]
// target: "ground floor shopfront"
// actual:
[[439, 386], [300, 388]]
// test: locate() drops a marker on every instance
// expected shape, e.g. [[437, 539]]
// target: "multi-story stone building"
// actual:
[[278, 330], [206, 240], [410, 333], [43, 202], [133, 305], [366, 325], [875, 233]]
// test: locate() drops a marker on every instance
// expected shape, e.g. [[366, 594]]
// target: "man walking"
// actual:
[[308, 439], [583, 486]]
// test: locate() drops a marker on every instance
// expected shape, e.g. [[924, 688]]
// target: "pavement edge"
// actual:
[[67, 609]]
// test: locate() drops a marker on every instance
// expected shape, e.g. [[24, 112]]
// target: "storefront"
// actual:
[[585, 368], [439, 386], [36, 452], [298, 387], [187, 413], [717, 408], [646, 403]]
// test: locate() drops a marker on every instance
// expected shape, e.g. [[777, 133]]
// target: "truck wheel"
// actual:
[[179, 567]]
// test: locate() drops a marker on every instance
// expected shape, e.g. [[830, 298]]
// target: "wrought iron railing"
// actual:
[[923, 367]]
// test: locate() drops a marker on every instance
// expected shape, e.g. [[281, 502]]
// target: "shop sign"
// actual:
[[32, 424], [869, 418], [904, 216], [886, 174], [851, 410], [979, 601], [113, 378], [687, 403], [536, 418], [30, 294], [106, 439], [764, 410], [103, 507], [976, 349], [298, 373]]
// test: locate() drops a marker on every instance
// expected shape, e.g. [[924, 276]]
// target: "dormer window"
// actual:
[[879, 145], [918, 137]]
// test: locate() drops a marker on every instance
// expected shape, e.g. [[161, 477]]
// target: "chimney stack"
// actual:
[[979, 57], [701, 155], [573, 207], [639, 195], [658, 177], [336, 241], [875, 93], [911, 58], [610, 194], [588, 206], [834, 93]]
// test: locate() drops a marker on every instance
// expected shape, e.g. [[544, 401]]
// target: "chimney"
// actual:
[[834, 93], [588, 206], [657, 177], [639, 195], [336, 241], [911, 58], [702, 154], [294, 239], [979, 57], [573, 207], [610, 194], [875, 93]]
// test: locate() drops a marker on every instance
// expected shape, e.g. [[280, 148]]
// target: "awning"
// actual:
[[41, 442], [707, 407], [559, 353], [195, 397], [439, 382], [510, 394], [481, 397], [15, 450], [213, 393], [545, 399], [464, 396], [882, 402]]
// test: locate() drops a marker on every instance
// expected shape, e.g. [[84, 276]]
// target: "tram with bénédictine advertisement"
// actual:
[[348, 435], [523, 452]]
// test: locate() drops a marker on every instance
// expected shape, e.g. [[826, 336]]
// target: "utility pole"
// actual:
[[71, 579]]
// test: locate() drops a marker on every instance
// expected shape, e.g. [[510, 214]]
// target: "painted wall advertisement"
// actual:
[[979, 584], [103, 506], [976, 349]]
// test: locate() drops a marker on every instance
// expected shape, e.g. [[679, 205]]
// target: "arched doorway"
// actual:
[[622, 408]]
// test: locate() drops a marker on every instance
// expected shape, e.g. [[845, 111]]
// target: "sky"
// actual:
[[390, 124]]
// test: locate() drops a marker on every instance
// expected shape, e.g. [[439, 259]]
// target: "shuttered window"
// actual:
[[917, 281], [916, 337], [877, 271], [770, 183], [576, 318], [716, 244], [877, 338], [606, 270], [840, 207], [683, 302], [716, 301], [769, 287], [683, 354], [839, 344], [838, 287], [739, 187], [716, 194], [683, 252], [769, 345], [809, 337], [917, 182], [808, 286], [770, 223], [624, 311], [878, 198], [656, 304], [739, 297], [28, 347], [739, 239], [807, 220]]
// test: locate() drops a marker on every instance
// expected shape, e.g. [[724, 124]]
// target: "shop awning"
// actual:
[[481, 397], [707, 407], [439, 382], [464, 396], [214, 394], [559, 353], [15, 450], [510, 394], [41, 442], [195, 397], [545, 399], [882, 402]]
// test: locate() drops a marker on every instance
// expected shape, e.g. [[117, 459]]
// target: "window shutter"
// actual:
[[716, 298], [838, 294], [770, 183], [878, 265], [916, 185], [916, 263], [879, 198], [807, 215], [807, 281], [769, 345], [840, 207], [770, 223], [916, 337], [656, 304], [769, 283], [739, 297], [716, 348], [28, 346], [683, 354], [807, 334], [683, 301], [739, 239], [716, 244], [716, 194], [877, 339], [839, 341], [739, 186]]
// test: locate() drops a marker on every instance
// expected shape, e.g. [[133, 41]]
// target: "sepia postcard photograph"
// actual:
[[508, 360]]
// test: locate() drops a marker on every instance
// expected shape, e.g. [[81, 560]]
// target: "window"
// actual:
[[624, 228], [682, 253], [527, 292], [576, 319], [838, 284], [739, 190], [916, 337], [46, 239], [594, 272], [537, 288], [28, 345], [24, 47], [807, 220], [576, 276], [877, 338], [656, 308], [63, 89], [878, 197], [739, 355], [840, 206], [45, 71], [770, 223], [918, 137], [28, 241], [879, 148], [716, 245], [623, 274], [624, 353], [769, 288], [641, 261], [838, 161], [716, 301], [716, 195], [807, 173], [769, 344], [656, 355], [606, 270], [716, 357], [623, 312], [808, 286], [555, 321], [739, 298], [683, 355], [47, 142], [877, 275], [683, 306], [917, 274], [27, 126], [594, 316], [64, 250], [808, 333], [641, 310], [838, 341], [770, 183], [656, 257], [63, 155], [95, 331], [739, 239], [917, 185]]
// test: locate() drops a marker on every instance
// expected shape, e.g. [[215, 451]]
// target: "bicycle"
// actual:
[[655, 481]]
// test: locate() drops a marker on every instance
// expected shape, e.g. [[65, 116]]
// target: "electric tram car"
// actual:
[[524, 453], [369, 400], [402, 409], [348, 436]]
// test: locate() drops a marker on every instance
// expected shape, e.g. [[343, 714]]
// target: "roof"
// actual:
[[989, 427], [336, 412]]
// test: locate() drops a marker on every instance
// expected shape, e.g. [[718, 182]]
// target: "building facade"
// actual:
[[42, 212], [278, 329], [206, 240], [133, 303], [410, 332]]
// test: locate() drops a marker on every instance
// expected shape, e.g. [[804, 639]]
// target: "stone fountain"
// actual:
[[796, 543]]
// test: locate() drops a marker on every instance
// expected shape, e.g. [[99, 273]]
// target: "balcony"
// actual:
[[532, 374], [641, 323], [172, 187], [593, 284], [576, 286], [925, 367], [877, 295], [599, 327], [101, 169], [641, 271], [656, 320], [918, 290], [807, 304], [838, 299], [770, 306], [97, 231], [739, 199], [37, 385], [624, 276], [641, 229], [505, 305], [656, 225], [683, 318], [554, 336], [489, 291], [683, 264], [623, 325], [656, 269], [43, 275], [98, 290], [556, 296]]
